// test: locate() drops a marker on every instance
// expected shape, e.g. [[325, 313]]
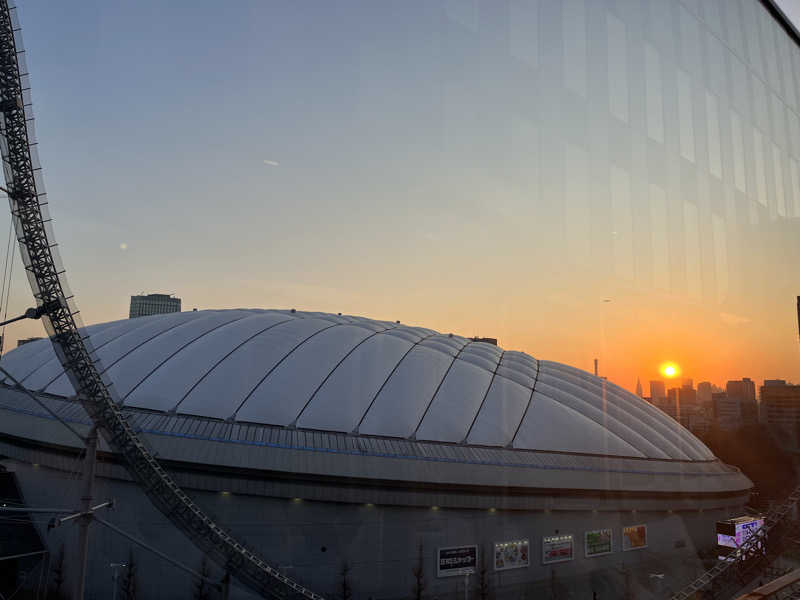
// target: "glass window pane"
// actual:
[[777, 168], [617, 68], [685, 116], [577, 219], [738, 151], [720, 256], [653, 93], [523, 24], [714, 150], [692, 249], [574, 16], [761, 174], [622, 232], [658, 232]]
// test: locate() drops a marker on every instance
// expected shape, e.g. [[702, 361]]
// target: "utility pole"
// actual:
[[89, 463]]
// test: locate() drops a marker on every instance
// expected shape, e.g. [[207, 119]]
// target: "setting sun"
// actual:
[[670, 370]]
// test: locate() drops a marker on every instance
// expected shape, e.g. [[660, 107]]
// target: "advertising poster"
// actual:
[[511, 555], [598, 542], [557, 548], [733, 533], [634, 537], [456, 560]]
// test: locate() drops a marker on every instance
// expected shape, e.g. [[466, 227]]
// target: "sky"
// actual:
[[301, 155]]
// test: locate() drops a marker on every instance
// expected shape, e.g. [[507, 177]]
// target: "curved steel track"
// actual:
[[45, 273]]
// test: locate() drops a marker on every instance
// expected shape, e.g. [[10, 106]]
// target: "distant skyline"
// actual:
[[400, 163]]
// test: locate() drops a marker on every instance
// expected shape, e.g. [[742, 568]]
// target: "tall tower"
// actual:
[[639, 388]]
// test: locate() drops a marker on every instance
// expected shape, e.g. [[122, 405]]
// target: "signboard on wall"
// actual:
[[456, 560], [557, 548], [597, 542], [634, 537], [511, 555]]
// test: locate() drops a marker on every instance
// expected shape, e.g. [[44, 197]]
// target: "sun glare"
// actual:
[[670, 370]]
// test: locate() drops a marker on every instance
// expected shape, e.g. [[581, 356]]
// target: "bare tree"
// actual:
[[202, 591], [345, 589], [58, 576], [483, 579], [129, 581], [419, 574]]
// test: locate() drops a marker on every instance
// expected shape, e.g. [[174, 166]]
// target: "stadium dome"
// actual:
[[334, 373]]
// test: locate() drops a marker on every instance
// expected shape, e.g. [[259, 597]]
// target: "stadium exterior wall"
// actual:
[[310, 524]]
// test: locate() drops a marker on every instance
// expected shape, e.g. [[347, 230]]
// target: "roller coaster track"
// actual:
[[39, 252]]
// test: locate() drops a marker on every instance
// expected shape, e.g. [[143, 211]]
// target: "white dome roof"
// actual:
[[350, 374]]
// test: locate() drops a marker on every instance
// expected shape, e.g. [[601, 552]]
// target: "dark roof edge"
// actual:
[[784, 21]]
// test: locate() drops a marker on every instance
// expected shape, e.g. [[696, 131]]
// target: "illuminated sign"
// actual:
[[597, 542], [557, 548], [634, 537], [457, 560], [511, 555], [731, 534]]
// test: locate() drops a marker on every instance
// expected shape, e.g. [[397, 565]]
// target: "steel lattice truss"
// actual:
[[40, 256]]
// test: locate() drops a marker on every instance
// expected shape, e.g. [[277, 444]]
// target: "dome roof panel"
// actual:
[[500, 415], [456, 402], [406, 334], [171, 378], [224, 388], [344, 397], [516, 375], [282, 395], [346, 373], [550, 425], [593, 408], [130, 370], [478, 360], [399, 406]]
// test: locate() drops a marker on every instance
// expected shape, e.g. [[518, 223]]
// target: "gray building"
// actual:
[[657, 391], [153, 304], [727, 411], [745, 391]]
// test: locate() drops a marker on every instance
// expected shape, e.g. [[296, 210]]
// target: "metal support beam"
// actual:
[[32, 396], [89, 463], [13, 556]]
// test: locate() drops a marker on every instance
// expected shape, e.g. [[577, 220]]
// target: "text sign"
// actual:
[[457, 560]]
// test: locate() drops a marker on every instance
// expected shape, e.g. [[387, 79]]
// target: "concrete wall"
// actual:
[[312, 539]]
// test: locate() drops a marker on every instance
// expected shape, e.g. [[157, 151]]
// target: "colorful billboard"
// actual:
[[597, 542], [456, 560], [634, 537], [557, 548], [511, 555]]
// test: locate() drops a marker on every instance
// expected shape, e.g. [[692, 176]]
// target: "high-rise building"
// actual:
[[639, 391], [657, 391], [745, 391], [727, 411], [687, 396], [153, 304], [781, 403], [704, 391]]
